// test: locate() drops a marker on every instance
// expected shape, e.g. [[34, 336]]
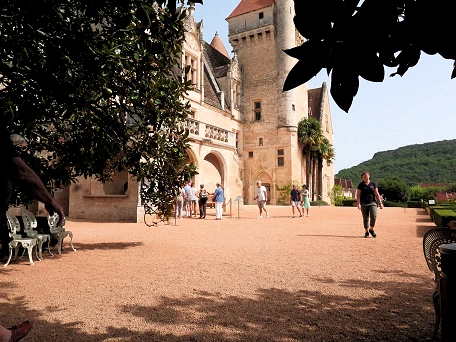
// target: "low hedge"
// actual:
[[443, 216], [349, 202], [415, 204], [433, 208], [318, 203], [393, 204]]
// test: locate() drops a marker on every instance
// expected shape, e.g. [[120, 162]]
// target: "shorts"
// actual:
[[261, 204], [295, 203]]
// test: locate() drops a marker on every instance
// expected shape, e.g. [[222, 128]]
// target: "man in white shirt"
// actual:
[[262, 198]]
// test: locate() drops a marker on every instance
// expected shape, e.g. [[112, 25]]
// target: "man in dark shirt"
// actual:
[[366, 196], [15, 170], [295, 200]]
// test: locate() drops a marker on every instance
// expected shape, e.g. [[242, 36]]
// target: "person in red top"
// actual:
[[15, 171]]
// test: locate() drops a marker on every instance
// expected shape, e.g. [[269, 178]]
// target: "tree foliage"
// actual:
[[422, 163], [95, 86], [337, 195], [353, 38], [316, 148], [394, 189]]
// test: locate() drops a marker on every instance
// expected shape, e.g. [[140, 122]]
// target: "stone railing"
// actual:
[[204, 131], [192, 126], [216, 133]]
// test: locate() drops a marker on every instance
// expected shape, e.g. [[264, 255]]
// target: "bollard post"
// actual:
[[448, 291]]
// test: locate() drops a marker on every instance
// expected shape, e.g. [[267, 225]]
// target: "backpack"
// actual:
[[203, 195]]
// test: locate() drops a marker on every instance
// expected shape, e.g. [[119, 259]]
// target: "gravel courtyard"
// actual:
[[314, 278]]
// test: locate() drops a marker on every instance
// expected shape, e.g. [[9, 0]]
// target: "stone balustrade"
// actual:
[[205, 131]]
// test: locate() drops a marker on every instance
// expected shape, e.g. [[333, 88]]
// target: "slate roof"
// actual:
[[345, 183], [314, 102], [217, 65], [246, 6], [214, 57]]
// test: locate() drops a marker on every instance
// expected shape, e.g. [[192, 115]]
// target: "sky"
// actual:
[[417, 108]]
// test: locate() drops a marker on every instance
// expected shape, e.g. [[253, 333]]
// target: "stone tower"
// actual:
[[259, 31]]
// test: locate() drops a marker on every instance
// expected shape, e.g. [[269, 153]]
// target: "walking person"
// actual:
[[295, 200], [366, 196], [202, 201], [218, 200], [15, 170], [305, 195], [262, 198]]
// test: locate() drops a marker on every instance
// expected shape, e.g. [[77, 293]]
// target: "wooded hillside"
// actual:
[[433, 162]]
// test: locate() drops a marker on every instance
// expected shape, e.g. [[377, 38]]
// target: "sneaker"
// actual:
[[292, 217], [366, 235], [300, 216], [371, 231], [18, 332], [267, 215], [259, 217]]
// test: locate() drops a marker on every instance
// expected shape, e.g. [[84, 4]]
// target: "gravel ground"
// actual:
[[279, 279]]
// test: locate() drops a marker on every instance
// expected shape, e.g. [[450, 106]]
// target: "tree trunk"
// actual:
[[308, 170], [320, 177], [313, 179]]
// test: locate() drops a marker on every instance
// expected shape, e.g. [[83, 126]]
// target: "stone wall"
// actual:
[[89, 202]]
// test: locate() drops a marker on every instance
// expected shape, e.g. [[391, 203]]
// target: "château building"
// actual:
[[243, 127]]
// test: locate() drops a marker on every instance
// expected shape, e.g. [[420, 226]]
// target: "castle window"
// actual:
[[237, 142], [293, 107], [250, 154], [268, 35], [260, 15], [260, 142], [257, 110], [280, 158], [191, 66]]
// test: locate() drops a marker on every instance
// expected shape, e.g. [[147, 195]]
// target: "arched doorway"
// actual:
[[212, 170], [192, 159], [266, 181]]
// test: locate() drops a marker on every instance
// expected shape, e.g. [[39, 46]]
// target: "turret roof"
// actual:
[[219, 46], [246, 6]]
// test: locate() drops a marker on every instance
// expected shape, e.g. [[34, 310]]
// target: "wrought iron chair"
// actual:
[[30, 226], [432, 240], [59, 232], [27, 243]]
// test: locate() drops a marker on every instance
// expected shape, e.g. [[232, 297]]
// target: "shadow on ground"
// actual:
[[104, 246], [395, 311], [421, 230]]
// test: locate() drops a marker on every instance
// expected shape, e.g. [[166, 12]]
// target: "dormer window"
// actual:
[[191, 64]]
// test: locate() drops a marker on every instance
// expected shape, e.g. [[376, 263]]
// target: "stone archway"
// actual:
[[192, 159], [212, 170], [266, 181]]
